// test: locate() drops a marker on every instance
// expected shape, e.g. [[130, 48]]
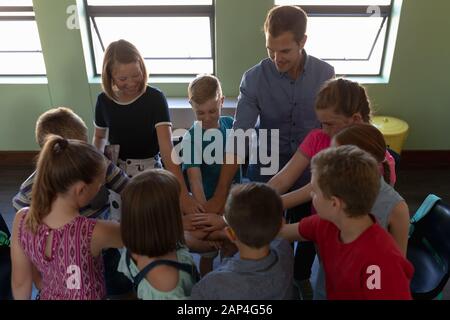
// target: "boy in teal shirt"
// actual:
[[204, 144]]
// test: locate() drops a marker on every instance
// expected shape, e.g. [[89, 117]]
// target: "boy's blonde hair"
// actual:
[[254, 212], [203, 88], [61, 121], [151, 215], [124, 52], [345, 97], [350, 174]]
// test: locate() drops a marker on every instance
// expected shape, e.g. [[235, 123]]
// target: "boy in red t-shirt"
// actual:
[[361, 260]]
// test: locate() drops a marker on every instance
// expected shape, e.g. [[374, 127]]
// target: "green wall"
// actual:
[[417, 91]]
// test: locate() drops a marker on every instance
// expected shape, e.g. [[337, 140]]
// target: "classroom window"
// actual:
[[20, 47], [349, 34], [175, 37]]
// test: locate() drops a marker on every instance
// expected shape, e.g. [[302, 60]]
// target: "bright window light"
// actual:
[[349, 34]]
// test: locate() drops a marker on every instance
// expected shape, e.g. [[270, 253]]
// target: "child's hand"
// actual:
[[215, 205], [208, 221], [187, 222], [190, 206]]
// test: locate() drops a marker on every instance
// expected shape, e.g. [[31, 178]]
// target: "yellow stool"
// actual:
[[394, 131]]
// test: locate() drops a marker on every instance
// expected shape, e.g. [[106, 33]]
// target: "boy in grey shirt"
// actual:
[[263, 268]]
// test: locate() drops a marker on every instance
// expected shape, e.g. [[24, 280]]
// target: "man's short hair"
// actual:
[[350, 174], [61, 121], [281, 19], [254, 212]]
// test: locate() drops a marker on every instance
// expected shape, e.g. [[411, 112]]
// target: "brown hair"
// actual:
[[60, 121], [348, 173], [204, 88], [345, 97], [61, 163], [151, 216], [282, 19], [124, 52], [368, 138], [254, 211]]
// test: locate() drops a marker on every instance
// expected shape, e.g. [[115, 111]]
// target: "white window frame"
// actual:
[[26, 16], [151, 11]]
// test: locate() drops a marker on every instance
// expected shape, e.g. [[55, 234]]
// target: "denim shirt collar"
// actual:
[[285, 74]]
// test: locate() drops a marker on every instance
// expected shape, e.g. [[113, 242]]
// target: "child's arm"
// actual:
[[116, 179], [399, 225], [188, 203], [208, 222], [100, 138], [106, 234], [196, 184], [290, 232], [286, 178], [22, 273], [217, 203], [297, 197]]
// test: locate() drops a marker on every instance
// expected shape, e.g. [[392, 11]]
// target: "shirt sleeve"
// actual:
[[192, 151], [162, 116], [100, 121], [23, 197], [116, 178], [308, 145], [308, 228]]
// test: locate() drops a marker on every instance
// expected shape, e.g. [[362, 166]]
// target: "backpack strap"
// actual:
[[188, 268]]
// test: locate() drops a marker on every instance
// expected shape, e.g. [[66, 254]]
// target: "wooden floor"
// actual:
[[413, 185]]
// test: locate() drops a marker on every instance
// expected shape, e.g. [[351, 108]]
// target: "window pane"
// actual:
[[183, 37], [20, 49], [29, 63], [15, 3], [335, 2], [147, 2]]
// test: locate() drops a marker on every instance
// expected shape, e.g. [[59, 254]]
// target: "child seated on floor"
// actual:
[[361, 260], [263, 269], [206, 99]]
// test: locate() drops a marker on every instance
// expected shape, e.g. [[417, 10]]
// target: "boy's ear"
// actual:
[[230, 234], [337, 203]]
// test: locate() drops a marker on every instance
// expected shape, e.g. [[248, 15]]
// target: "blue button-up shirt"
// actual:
[[281, 102]]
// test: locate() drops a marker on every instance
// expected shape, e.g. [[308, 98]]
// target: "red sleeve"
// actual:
[[308, 144], [307, 228], [390, 280]]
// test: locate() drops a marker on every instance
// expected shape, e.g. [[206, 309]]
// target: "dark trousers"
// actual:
[[306, 251]]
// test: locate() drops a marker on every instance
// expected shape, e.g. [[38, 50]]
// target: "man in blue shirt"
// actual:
[[280, 92]]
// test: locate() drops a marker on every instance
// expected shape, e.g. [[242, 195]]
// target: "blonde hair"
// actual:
[[61, 121], [254, 212], [61, 163], [151, 215], [124, 52], [350, 174], [345, 97], [203, 88], [282, 19]]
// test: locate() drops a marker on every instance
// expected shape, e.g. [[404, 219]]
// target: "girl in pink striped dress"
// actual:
[[52, 244]]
